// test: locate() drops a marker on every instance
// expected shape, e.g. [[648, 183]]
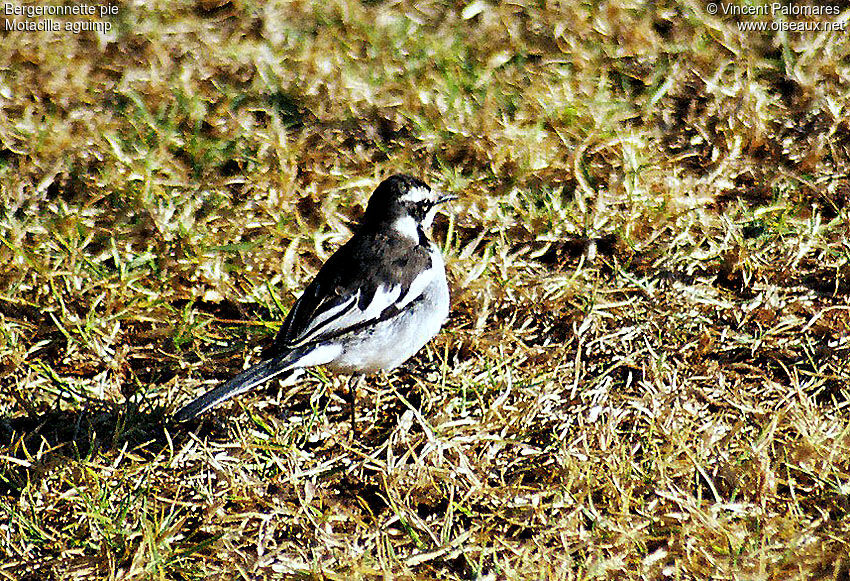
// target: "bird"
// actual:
[[373, 304]]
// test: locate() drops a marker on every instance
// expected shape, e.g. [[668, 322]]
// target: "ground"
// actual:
[[645, 370]]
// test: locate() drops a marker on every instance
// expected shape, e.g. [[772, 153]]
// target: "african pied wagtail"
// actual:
[[376, 301]]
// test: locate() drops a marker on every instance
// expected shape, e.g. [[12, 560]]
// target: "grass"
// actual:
[[644, 374]]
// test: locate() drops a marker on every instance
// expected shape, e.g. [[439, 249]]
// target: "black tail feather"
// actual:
[[245, 381]]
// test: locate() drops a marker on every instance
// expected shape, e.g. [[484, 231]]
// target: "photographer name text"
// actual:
[[777, 9]]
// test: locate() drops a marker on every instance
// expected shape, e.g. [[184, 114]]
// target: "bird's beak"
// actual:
[[446, 198]]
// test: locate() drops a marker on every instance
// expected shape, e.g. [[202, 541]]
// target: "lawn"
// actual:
[[646, 369]]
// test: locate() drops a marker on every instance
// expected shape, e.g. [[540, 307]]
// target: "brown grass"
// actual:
[[645, 372]]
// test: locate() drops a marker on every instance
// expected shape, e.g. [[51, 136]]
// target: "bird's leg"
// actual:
[[353, 382]]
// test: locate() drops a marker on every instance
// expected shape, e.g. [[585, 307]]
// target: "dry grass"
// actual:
[[645, 373]]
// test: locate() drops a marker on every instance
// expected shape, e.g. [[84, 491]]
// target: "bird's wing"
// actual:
[[365, 281]]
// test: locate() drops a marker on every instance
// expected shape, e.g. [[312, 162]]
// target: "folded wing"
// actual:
[[340, 299]]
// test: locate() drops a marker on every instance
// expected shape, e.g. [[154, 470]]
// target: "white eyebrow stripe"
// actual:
[[416, 194]]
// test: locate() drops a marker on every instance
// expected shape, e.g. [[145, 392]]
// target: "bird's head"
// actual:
[[405, 203]]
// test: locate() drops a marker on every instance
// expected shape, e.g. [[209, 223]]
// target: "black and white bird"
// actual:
[[375, 302]]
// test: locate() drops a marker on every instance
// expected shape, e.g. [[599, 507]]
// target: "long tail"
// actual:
[[248, 379]]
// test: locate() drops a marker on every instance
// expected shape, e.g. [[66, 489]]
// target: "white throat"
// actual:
[[407, 227], [416, 194], [429, 217]]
